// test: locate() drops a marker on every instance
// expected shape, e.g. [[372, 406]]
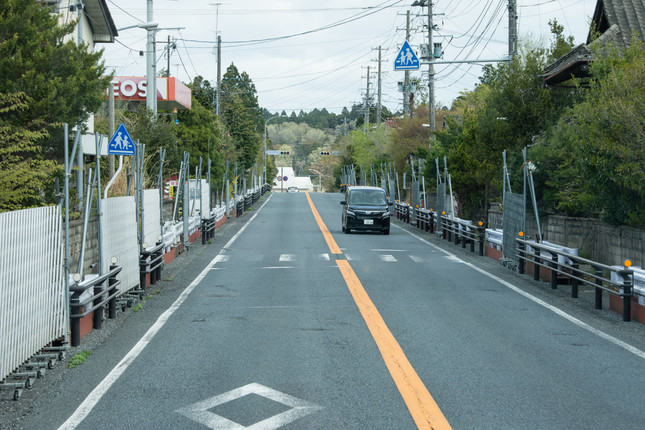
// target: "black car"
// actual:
[[366, 209]]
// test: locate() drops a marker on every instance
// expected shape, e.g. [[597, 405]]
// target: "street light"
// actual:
[[151, 28], [265, 142]]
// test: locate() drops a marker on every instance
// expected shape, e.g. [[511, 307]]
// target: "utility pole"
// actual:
[[378, 103], [150, 77], [512, 28], [79, 155], [219, 73], [431, 71], [406, 79], [367, 101], [111, 126], [168, 69]]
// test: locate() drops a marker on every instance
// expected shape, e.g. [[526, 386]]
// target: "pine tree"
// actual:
[[45, 82]]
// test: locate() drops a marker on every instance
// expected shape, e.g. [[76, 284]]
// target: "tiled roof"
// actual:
[[617, 21]]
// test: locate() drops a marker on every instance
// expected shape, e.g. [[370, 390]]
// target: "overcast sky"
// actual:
[[313, 54]]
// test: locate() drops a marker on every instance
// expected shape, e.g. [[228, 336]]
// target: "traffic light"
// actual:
[[284, 152], [324, 152]]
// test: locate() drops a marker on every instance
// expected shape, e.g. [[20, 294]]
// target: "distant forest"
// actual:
[[324, 120]]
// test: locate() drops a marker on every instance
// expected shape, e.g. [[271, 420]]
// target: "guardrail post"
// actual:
[[98, 312], [472, 241], [75, 323], [554, 270], [204, 231], [520, 265], [482, 238], [627, 294], [598, 272], [112, 303], [158, 255], [536, 263], [574, 280], [431, 227], [444, 228]]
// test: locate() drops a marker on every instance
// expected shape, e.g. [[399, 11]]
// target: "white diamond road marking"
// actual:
[[221, 258], [387, 257], [416, 259], [287, 257], [200, 413]]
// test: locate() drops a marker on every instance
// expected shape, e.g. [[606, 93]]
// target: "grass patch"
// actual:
[[138, 307], [78, 359]]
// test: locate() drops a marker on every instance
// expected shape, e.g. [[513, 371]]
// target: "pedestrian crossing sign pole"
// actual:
[[121, 143], [406, 59]]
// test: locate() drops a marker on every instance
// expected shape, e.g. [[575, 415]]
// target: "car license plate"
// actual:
[[368, 222]]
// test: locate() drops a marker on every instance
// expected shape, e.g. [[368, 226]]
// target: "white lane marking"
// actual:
[[388, 250], [540, 302], [387, 257], [347, 257], [455, 259], [200, 413], [287, 257], [220, 258], [278, 267], [93, 398], [416, 259], [324, 256]]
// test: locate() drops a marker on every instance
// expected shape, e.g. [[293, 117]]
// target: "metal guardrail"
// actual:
[[531, 252], [98, 297], [462, 232], [402, 211], [151, 262], [425, 220], [208, 228]]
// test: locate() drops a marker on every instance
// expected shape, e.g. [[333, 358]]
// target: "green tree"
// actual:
[[21, 162], [595, 156], [201, 134], [45, 82], [242, 115]]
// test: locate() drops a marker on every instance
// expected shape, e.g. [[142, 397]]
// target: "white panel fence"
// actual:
[[33, 311], [119, 239], [33, 304], [151, 217]]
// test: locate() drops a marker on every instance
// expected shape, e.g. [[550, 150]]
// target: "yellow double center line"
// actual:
[[422, 407]]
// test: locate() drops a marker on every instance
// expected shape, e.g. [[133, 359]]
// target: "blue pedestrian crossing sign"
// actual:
[[121, 143], [406, 59]]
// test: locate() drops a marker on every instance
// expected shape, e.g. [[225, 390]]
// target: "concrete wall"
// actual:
[[91, 245], [595, 240]]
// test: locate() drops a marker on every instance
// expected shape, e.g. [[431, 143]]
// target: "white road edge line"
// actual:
[[557, 311], [95, 396]]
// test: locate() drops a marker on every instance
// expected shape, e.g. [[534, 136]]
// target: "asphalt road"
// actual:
[[270, 327]]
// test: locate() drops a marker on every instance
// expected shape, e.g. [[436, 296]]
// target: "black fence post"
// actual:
[[554, 271], [98, 312], [204, 231], [574, 280], [598, 289], [482, 238], [536, 271], [111, 286], [75, 323], [627, 294], [520, 266]]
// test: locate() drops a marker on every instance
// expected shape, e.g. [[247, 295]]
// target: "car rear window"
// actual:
[[367, 197]]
